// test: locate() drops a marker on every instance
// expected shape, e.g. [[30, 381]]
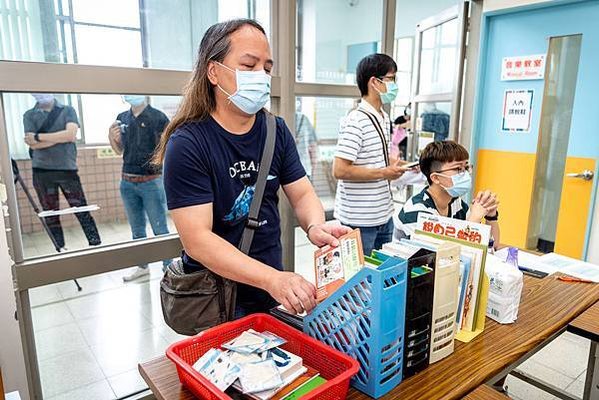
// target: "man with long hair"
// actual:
[[211, 152]]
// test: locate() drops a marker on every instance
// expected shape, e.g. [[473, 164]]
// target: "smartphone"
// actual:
[[412, 164]]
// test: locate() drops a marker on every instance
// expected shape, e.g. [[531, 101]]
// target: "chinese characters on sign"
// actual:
[[523, 67], [517, 110], [454, 228]]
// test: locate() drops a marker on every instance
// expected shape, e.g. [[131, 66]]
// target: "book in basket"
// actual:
[[335, 265]]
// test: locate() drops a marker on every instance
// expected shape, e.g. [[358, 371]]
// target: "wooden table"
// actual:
[[546, 308], [484, 392], [587, 325]]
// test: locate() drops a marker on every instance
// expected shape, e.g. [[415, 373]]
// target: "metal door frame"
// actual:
[[459, 12]]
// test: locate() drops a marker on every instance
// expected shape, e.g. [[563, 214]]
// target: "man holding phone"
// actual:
[[135, 134], [362, 163]]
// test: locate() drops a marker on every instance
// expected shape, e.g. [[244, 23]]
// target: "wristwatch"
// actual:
[[494, 218], [36, 136]]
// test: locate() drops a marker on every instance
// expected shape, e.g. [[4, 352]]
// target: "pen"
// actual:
[[573, 279]]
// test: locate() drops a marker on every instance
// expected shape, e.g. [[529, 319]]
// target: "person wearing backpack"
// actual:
[[50, 132], [213, 153]]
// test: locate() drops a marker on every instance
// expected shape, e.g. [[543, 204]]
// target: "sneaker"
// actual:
[[138, 273]]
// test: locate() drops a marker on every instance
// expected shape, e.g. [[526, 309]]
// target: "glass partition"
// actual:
[[317, 122], [86, 192]]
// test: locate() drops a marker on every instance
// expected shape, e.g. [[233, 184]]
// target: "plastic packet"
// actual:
[[261, 376], [272, 341], [248, 342], [241, 359], [218, 368]]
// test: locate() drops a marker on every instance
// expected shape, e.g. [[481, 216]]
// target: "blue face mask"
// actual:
[[253, 90], [462, 184], [134, 100], [390, 94]]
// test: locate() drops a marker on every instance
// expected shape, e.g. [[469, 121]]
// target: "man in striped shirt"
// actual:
[[445, 165], [362, 164]]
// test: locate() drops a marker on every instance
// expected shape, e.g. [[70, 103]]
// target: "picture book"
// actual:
[[333, 266]]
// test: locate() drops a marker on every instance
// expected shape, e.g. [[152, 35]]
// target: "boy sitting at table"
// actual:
[[446, 168]]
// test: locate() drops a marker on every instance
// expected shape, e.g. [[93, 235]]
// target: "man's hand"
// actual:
[[327, 234], [114, 132], [395, 170], [489, 201], [30, 139], [291, 290]]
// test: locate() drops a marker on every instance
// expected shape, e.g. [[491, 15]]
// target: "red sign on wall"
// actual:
[[523, 67]]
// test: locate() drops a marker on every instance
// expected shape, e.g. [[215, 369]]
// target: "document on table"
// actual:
[[71, 210], [528, 260], [571, 266]]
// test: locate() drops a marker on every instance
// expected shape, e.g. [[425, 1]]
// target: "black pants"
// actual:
[[46, 184]]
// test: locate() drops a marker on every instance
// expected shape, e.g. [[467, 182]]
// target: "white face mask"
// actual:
[[43, 99], [253, 90]]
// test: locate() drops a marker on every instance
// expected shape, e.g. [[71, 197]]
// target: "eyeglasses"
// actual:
[[459, 169], [384, 78]]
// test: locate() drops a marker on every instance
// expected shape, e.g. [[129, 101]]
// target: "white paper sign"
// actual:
[[454, 228], [523, 67], [517, 110]]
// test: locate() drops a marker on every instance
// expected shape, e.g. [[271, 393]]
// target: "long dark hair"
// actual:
[[198, 94]]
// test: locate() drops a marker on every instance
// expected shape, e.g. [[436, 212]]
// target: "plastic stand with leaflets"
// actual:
[[419, 311], [445, 299], [473, 239], [365, 318]]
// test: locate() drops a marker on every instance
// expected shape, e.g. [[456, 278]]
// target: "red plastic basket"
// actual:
[[336, 367]]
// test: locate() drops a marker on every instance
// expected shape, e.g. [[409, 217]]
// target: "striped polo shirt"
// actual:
[[363, 203], [405, 221]]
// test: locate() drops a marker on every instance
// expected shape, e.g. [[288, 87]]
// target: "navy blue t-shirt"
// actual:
[[139, 138], [204, 163]]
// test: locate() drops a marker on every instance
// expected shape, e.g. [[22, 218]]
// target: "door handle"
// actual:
[[586, 175]]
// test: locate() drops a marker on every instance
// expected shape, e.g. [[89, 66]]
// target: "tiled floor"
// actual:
[[89, 342]]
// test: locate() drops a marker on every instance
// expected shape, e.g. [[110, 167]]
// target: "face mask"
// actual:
[[253, 90], [43, 99], [462, 184], [134, 100], [390, 94]]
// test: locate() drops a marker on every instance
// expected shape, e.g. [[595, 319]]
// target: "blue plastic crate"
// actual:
[[365, 318]]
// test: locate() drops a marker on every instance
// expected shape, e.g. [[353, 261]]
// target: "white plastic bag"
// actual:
[[505, 289]]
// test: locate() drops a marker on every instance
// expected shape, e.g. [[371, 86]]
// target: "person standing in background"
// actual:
[[306, 142], [135, 134], [51, 132], [362, 163]]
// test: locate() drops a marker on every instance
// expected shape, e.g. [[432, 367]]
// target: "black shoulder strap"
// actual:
[[381, 132], [50, 119], [267, 154]]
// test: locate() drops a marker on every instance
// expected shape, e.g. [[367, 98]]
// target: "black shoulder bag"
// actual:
[[193, 302]]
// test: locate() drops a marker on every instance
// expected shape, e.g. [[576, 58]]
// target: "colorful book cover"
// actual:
[[306, 388], [310, 374], [334, 265]]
